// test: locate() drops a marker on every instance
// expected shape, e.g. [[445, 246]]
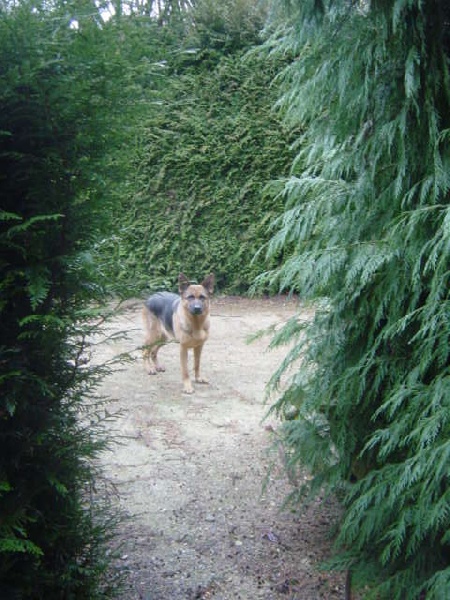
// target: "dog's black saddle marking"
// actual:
[[163, 305]]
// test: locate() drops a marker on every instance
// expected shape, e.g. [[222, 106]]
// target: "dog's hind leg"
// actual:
[[153, 342], [197, 355], [156, 367]]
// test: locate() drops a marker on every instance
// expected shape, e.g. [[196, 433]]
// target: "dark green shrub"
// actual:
[[52, 533]]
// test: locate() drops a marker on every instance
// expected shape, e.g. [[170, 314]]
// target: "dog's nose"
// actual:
[[197, 309]]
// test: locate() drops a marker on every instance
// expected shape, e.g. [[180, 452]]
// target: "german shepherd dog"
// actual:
[[183, 318]]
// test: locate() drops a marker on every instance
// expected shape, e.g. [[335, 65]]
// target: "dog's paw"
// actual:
[[160, 369], [201, 380], [188, 389]]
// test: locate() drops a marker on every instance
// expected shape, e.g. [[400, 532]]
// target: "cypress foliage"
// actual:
[[365, 234], [207, 145], [52, 129]]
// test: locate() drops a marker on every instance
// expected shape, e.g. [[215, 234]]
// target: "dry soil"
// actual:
[[200, 475]]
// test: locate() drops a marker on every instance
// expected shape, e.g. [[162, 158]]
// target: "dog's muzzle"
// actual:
[[196, 309]]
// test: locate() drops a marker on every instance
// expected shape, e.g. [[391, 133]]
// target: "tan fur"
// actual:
[[189, 329]]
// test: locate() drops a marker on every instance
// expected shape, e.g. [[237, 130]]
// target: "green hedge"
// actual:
[[208, 146]]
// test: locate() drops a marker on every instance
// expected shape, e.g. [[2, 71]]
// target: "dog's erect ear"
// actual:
[[183, 282], [208, 283]]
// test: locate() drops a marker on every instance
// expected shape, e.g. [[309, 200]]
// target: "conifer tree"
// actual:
[[52, 131], [365, 236]]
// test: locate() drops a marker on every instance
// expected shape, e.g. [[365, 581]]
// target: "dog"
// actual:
[[183, 318]]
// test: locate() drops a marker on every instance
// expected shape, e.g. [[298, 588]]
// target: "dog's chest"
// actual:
[[193, 336]]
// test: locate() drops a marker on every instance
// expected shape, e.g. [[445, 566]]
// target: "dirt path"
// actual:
[[190, 473]]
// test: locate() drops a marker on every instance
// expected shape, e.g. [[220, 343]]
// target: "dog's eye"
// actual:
[[202, 297], [191, 297]]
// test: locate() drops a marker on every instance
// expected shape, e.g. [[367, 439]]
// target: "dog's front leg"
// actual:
[[197, 355], [187, 385]]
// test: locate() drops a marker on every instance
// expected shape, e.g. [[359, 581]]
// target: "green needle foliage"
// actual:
[[207, 144], [365, 235], [53, 526]]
